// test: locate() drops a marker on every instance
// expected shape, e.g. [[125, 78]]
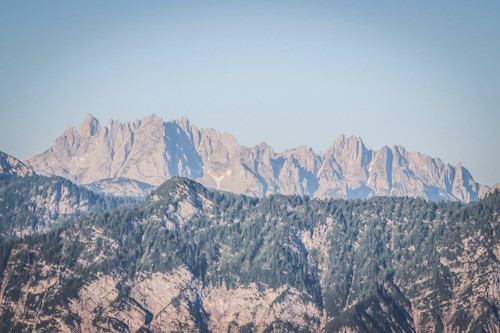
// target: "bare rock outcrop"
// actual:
[[11, 166], [152, 151]]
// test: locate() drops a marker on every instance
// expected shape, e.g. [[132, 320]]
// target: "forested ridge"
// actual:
[[384, 264], [38, 203]]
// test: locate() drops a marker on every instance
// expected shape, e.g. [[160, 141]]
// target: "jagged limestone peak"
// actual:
[[89, 127], [151, 150]]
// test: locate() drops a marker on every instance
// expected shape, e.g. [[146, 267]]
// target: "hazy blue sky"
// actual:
[[415, 73]]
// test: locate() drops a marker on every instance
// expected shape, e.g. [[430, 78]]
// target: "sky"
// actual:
[[421, 74]]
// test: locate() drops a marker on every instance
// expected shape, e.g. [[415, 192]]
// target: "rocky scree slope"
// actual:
[[194, 259], [152, 151]]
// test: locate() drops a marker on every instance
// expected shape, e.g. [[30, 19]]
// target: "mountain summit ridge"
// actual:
[[11, 166], [151, 150]]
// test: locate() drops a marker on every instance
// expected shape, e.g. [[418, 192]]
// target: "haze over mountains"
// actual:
[[151, 151], [188, 258]]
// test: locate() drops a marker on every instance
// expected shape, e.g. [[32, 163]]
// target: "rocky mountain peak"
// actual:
[[349, 151], [152, 151], [184, 122], [349, 144], [399, 149], [89, 127], [11, 166], [264, 147], [340, 138], [305, 157], [343, 139], [461, 173], [191, 131], [70, 131], [151, 119], [176, 187]]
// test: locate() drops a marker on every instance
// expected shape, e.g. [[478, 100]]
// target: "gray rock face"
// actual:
[[152, 151], [121, 187], [11, 166]]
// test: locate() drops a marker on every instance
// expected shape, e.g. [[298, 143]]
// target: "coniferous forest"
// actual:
[[384, 264]]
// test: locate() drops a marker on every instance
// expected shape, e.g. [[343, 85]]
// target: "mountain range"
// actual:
[[151, 151], [286, 257]]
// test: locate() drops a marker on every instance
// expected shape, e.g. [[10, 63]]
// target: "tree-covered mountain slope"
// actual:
[[37, 203], [192, 259]]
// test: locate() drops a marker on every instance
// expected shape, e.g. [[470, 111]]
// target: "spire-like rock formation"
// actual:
[[151, 151], [464, 187], [89, 127], [350, 152]]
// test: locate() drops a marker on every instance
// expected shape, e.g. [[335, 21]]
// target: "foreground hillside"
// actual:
[[192, 259], [36, 204]]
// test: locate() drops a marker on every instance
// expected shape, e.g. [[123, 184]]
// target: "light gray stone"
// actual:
[[152, 150]]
